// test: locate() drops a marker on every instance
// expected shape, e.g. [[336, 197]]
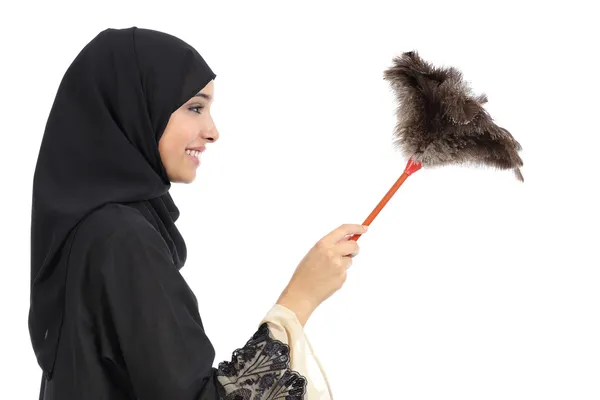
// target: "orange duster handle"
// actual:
[[411, 166]]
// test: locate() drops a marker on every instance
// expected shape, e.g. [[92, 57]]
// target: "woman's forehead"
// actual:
[[207, 92]]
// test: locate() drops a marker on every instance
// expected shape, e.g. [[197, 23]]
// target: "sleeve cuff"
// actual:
[[285, 327]]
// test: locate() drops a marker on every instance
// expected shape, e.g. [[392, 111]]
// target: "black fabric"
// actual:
[[132, 329], [131, 326], [100, 146]]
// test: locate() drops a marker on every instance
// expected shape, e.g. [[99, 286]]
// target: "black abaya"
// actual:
[[132, 328]]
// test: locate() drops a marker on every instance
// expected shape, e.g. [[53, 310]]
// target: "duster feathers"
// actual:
[[440, 121]]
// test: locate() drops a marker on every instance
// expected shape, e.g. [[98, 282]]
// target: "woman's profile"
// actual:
[[111, 317]]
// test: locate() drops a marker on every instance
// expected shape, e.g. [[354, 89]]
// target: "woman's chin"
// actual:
[[187, 177]]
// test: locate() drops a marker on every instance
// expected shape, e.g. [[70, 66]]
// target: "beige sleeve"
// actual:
[[285, 327]]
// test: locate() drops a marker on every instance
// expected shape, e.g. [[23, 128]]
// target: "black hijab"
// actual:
[[100, 146]]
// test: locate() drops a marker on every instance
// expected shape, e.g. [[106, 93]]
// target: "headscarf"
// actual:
[[100, 146]]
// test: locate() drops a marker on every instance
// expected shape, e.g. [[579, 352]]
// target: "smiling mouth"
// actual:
[[194, 155]]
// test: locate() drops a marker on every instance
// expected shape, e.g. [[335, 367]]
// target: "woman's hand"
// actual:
[[321, 272]]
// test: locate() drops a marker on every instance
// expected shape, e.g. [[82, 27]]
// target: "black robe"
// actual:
[[132, 329]]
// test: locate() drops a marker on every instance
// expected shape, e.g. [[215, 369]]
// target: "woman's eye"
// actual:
[[196, 108]]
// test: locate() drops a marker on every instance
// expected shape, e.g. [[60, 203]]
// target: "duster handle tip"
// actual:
[[412, 166]]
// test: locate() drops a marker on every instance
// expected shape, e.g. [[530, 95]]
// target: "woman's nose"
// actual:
[[212, 135]]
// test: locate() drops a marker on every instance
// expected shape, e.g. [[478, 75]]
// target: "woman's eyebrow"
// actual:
[[207, 97]]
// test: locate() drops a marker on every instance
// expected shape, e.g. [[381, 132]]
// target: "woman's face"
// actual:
[[184, 138]]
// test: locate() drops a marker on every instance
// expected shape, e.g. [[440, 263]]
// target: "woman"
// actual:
[[111, 317]]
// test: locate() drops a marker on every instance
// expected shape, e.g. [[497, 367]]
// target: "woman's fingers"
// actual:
[[344, 230]]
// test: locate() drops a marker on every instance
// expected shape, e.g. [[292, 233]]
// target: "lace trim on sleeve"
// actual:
[[260, 371]]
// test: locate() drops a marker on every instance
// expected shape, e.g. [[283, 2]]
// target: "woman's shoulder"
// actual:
[[114, 222], [116, 248]]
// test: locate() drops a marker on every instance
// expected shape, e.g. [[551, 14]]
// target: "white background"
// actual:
[[469, 284]]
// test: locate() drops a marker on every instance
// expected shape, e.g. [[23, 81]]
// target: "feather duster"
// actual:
[[441, 122]]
